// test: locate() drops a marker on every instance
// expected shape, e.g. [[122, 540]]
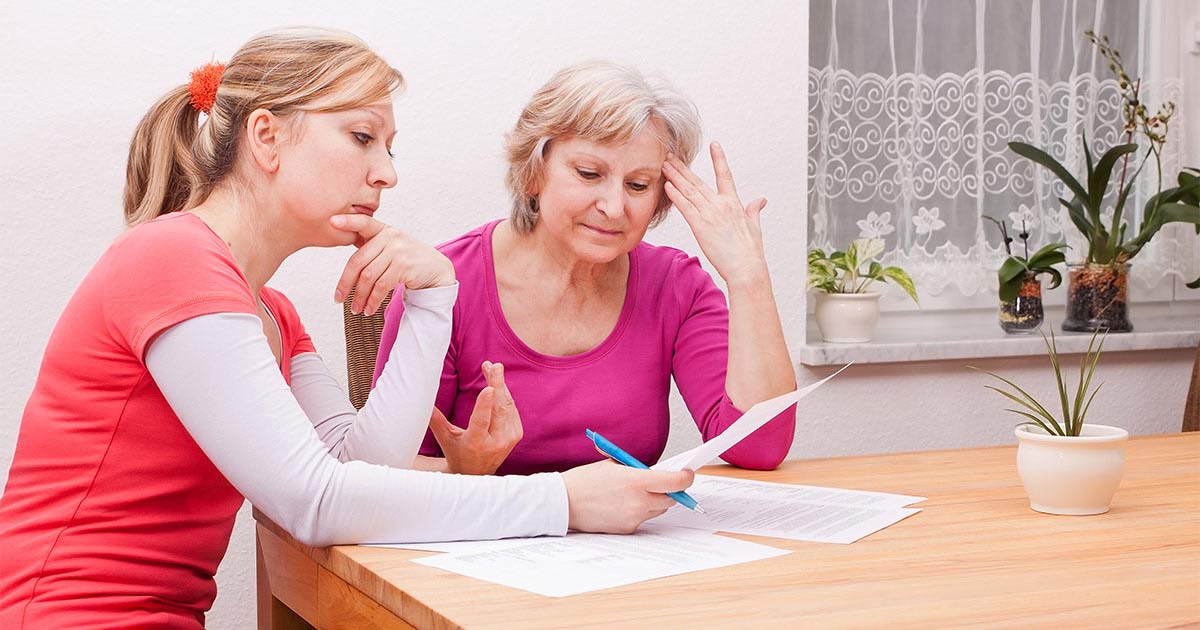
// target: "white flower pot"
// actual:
[[847, 317], [1071, 475]]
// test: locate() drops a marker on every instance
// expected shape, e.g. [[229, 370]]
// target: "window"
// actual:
[[911, 106]]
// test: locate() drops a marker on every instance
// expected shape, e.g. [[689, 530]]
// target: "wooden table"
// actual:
[[976, 555]]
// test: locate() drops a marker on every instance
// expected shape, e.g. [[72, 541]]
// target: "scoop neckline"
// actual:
[[518, 345]]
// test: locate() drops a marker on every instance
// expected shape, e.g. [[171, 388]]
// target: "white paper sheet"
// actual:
[[789, 511], [578, 563], [754, 418]]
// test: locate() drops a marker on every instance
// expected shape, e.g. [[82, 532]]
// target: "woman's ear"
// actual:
[[263, 135]]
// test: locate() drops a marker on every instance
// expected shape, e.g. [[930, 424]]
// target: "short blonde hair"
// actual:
[[599, 101], [175, 161]]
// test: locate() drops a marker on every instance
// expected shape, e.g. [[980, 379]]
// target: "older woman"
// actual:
[[587, 322]]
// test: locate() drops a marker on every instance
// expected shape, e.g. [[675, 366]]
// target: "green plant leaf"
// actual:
[[1088, 406], [1012, 272], [1087, 367], [1098, 181], [1038, 414], [868, 248], [900, 277], [1041, 157], [1052, 349], [1079, 217], [1030, 402], [1048, 256], [1055, 277], [1035, 421]]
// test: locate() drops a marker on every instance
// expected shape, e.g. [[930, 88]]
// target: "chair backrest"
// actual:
[[362, 344], [1191, 409]]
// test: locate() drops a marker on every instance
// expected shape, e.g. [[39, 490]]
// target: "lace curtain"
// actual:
[[912, 104]]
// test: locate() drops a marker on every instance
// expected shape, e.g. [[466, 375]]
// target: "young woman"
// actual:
[[590, 322], [176, 383]]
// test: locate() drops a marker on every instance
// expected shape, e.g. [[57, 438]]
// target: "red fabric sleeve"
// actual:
[[171, 270], [290, 326]]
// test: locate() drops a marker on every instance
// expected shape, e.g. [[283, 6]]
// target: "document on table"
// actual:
[[789, 511], [754, 418], [578, 563]]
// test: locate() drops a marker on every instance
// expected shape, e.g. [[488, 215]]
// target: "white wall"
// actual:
[[76, 78]]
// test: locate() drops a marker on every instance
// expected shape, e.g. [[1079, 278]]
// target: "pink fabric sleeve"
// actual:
[[699, 364]]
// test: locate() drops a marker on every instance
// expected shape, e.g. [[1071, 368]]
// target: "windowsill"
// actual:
[[940, 335]]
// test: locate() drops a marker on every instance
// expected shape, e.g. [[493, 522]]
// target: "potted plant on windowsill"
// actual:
[[846, 312], [1020, 289], [1096, 294], [1067, 466]]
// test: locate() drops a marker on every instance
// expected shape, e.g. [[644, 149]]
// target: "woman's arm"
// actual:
[[730, 236], [390, 426], [758, 366], [233, 401]]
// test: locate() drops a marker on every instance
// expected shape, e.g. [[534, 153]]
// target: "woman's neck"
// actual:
[[254, 237], [539, 257]]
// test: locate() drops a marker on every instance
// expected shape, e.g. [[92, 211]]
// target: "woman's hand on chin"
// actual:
[[386, 257], [729, 234], [491, 433]]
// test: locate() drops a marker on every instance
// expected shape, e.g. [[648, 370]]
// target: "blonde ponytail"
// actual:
[[161, 166], [175, 162]]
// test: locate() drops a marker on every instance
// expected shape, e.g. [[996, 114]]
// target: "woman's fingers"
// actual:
[[724, 176], [481, 416], [351, 273], [685, 205], [366, 227], [443, 430], [686, 182]]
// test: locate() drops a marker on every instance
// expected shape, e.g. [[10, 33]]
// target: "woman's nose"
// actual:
[[384, 174], [611, 202]]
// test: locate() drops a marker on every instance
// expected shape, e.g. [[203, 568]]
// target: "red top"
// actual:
[[112, 515]]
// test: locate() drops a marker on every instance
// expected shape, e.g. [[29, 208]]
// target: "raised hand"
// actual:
[[386, 257], [610, 498], [729, 233], [491, 433]]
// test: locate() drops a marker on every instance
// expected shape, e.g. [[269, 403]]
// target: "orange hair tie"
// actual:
[[203, 87]]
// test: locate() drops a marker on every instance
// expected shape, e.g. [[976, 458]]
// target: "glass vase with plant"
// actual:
[[1021, 307], [846, 312], [1097, 288]]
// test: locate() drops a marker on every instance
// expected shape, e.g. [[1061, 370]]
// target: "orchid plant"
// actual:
[[1114, 243]]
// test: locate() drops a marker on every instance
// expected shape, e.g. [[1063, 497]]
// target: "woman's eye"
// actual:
[[638, 186], [363, 138], [586, 174]]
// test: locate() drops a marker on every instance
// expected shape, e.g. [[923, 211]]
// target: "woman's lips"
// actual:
[[603, 232]]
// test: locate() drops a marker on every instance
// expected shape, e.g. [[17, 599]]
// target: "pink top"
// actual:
[[112, 515], [674, 323]]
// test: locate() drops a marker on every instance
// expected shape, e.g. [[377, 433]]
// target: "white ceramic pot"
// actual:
[[847, 317], [1071, 475]]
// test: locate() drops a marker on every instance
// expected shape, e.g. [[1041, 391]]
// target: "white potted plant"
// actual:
[[846, 312], [1067, 467]]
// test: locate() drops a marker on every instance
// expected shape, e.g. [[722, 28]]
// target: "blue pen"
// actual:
[[612, 450]]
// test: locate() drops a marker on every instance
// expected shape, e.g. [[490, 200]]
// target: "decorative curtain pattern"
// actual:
[[912, 104]]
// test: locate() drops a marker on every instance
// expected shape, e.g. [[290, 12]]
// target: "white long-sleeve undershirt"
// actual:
[[318, 475]]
